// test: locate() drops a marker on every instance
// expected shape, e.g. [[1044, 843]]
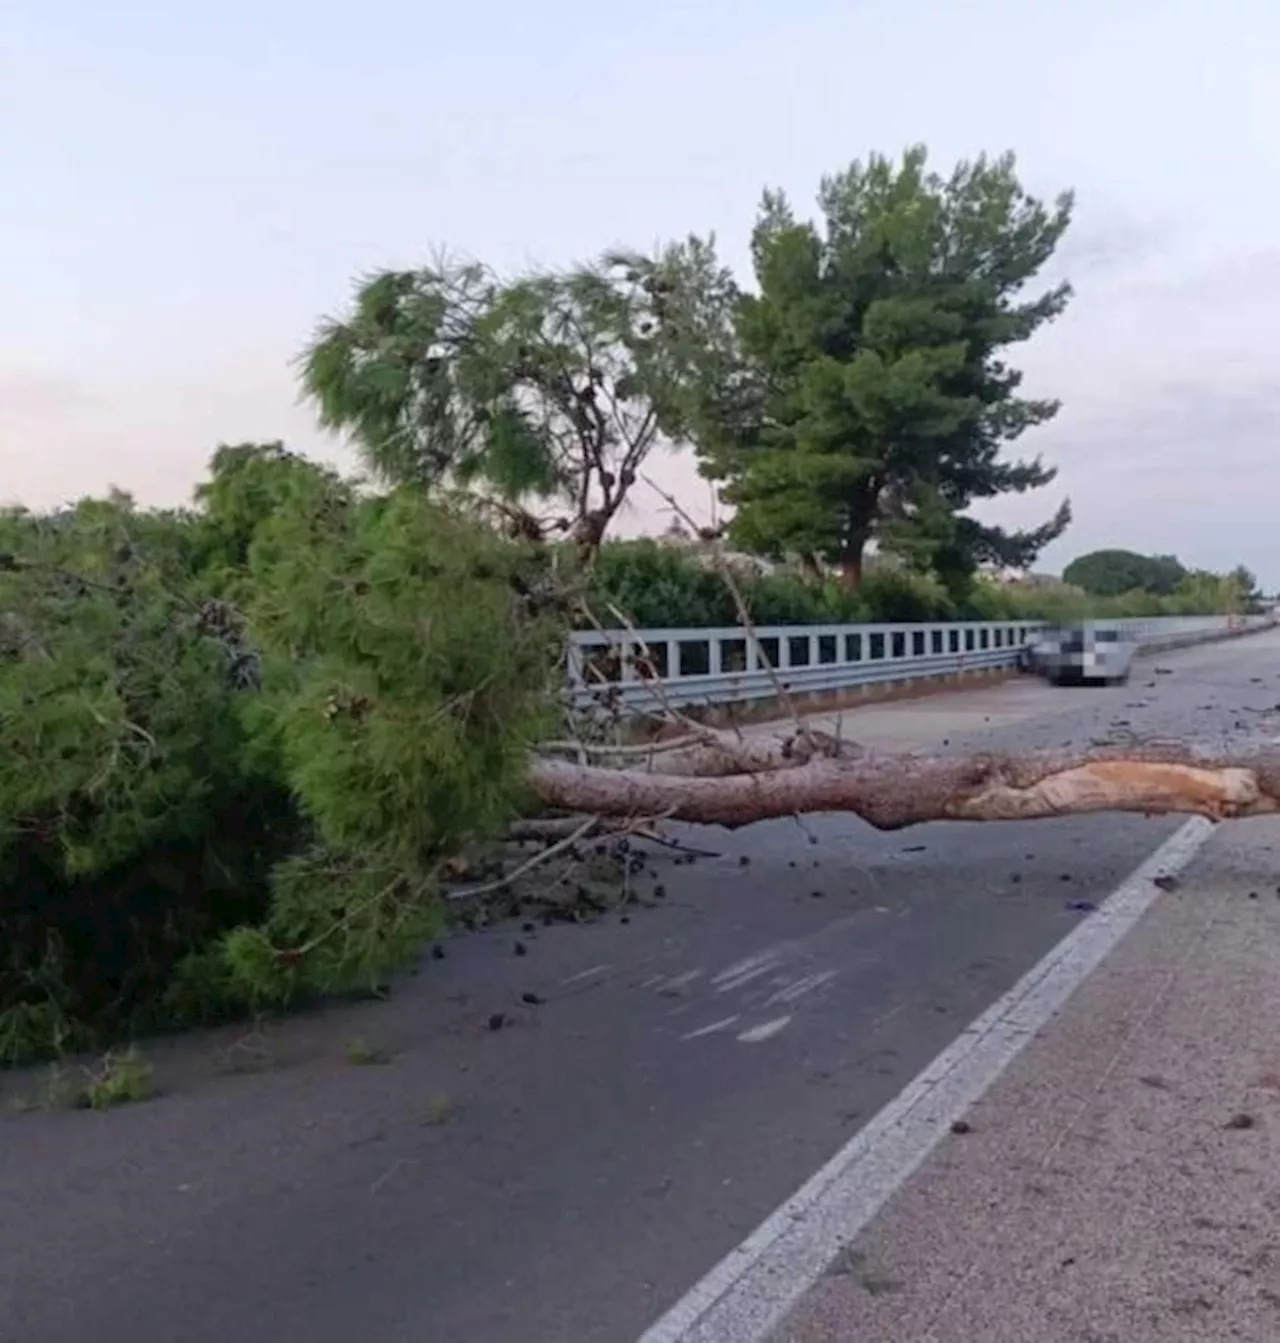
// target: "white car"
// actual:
[[1091, 652]]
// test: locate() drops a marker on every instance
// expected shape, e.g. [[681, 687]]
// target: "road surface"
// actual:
[[565, 1178]]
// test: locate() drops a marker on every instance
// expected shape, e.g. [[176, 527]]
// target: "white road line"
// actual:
[[765, 1031], [587, 974], [678, 982], [797, 989], [745, 971], [723, 1024], [748, 1294]]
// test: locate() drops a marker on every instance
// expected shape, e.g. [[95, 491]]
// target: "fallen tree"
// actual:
[[263, 752], [805, 773]]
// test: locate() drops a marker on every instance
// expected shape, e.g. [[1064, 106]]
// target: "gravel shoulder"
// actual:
[[1122, 1180]]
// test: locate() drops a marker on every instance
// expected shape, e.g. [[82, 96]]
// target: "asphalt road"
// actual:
[[563, 1178]]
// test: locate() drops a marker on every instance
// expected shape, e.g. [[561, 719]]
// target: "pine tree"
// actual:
[[871, 387]]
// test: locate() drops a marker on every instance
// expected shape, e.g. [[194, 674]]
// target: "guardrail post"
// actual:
[[575, 664]]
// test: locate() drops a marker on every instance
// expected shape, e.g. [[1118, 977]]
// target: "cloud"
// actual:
[[1186, 463]]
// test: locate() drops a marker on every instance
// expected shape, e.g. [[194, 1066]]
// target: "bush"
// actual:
[[659, 586]]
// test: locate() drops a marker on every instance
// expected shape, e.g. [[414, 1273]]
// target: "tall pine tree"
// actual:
[[872, 399]]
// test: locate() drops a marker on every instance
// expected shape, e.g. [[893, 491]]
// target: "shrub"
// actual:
[[659, 586], [656, 586]]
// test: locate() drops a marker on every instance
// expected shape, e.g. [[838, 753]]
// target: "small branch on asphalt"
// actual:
[[666, 842], [580, 832]]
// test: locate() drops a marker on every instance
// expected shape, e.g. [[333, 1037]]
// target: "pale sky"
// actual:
[[188, 188]]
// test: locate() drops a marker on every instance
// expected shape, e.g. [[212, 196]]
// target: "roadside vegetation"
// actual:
[[661, 585], [246, 745]]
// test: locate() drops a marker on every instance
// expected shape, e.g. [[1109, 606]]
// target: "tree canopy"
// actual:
[[1108, 573], [541, 397], [870, 396], [860, 392]]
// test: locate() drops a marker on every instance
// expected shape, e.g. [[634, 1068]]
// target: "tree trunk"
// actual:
[[810, 773], [851, 566], [810, 569], [588, 535]]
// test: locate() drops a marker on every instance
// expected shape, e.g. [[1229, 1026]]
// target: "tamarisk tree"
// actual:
[[537, 399]]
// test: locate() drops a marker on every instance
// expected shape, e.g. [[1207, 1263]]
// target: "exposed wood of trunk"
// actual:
[[891, 791]]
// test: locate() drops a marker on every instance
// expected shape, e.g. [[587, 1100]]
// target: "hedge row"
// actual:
[[662, 586]]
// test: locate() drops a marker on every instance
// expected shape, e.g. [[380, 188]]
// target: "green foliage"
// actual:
[[410, 676], [129, 832], [247, 483], [550, 389], [1161, 584], [208, 807], [658, 586], [1244, 584], [1108, 573], [870, 393], [123, 1078]]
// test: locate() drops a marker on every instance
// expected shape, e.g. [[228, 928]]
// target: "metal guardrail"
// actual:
[[722, 666]]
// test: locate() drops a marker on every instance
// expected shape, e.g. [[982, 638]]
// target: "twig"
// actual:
[[648, 748], [652, 837], [294, 954], [740, 603], [544, 828], [654, 684], [529, 864]]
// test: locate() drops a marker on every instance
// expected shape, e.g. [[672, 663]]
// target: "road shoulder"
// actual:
[[1120, 1181]]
